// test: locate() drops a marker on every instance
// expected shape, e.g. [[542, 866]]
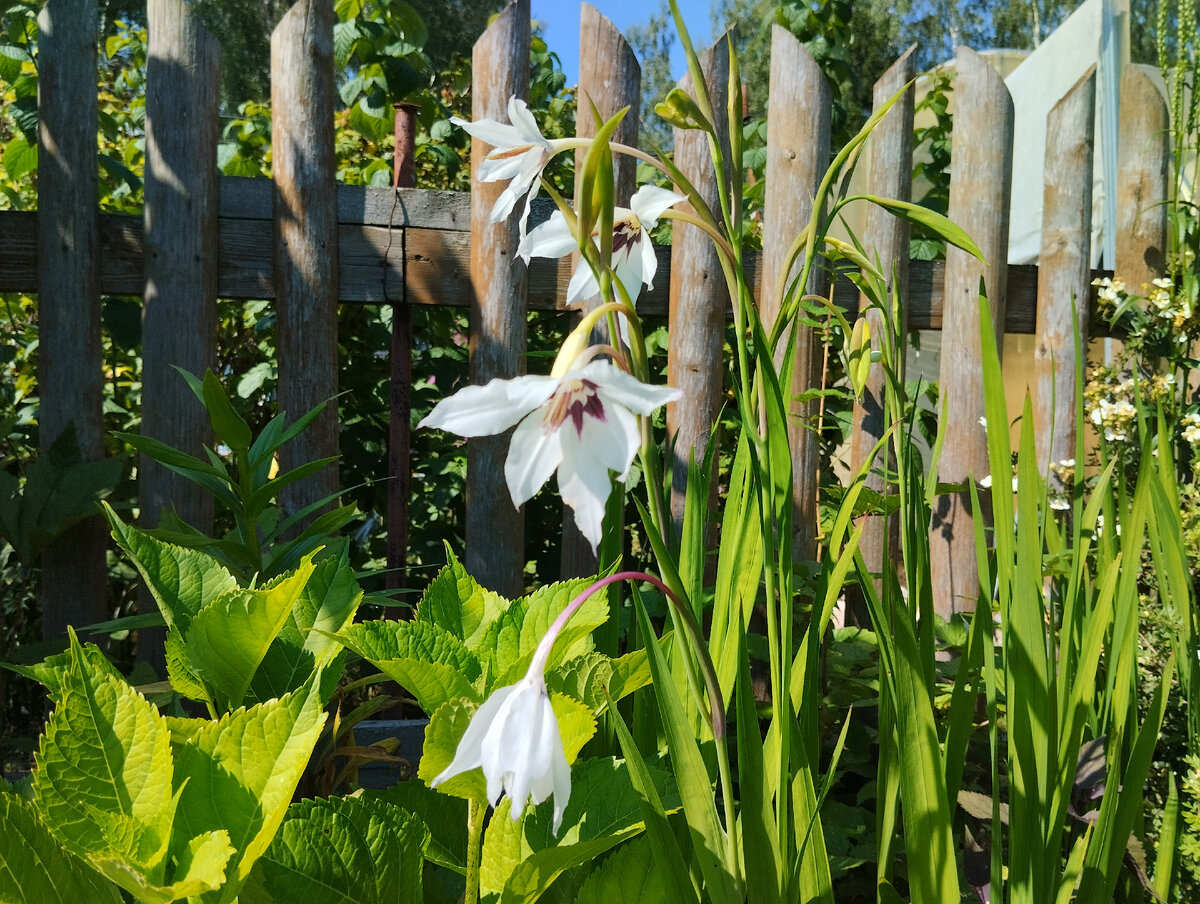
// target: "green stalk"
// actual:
[[475, 810]]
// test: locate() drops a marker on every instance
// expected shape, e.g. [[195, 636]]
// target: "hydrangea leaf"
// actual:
[[183, 680], [428, 661], [35, 869], [50, 671], [603, 811], [182, 581], [229, 637], [327, 604], [445, 817], [628, 875], [456, 602], [347, 851], [104, 770], [239, 774], [447, 725]]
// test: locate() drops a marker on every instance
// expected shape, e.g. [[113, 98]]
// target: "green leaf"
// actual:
[[229, 637], [629, 874], [182, 581], [307, 640], [239, 774], [51, 671], [35, 869], [104, 783], [183, 680], [456, 602], [935, 222], [445, 817], [20, 158], [429, 662], [227, 423], [346, 850]]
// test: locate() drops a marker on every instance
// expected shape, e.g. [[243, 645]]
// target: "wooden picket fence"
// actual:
[[308, 243]]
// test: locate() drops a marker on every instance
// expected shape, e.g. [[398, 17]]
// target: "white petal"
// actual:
[[649, 202], [526, 125], [583, 482], [627, 267], [560, 773], [497, 134], [613, 441], [617, 386], [583, 283], [649, 259], [551, 239], [501, 169], [467, 755], [533, 454], [490, 409]]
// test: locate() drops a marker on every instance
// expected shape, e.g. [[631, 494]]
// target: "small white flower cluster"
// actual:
[[1191, 428], [1110, 291], [1164, 303], [1115, 418], [1062, 478]]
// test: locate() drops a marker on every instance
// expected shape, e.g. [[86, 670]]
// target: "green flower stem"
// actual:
[[475, 811]]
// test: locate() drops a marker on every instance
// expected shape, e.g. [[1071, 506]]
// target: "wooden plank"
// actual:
[[799, 115], [179, 317], [885, 238], [610, 78], [372, 262], [1064, 272], [699, 297], [306, 238], [1142, 158], [74, 584], [980, 188], [495, 531]]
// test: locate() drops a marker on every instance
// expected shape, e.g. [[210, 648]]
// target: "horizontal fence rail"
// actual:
[[413, 245]]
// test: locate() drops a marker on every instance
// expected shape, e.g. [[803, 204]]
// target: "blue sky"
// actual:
[[560, 19]]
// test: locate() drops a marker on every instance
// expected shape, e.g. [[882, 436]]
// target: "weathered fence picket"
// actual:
[[306, 239], [1064, 269], [308, 243], [495, 533], [980, 187], [70, 372], [799, 123]]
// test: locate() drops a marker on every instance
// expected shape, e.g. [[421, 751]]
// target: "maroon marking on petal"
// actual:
[[625, 235]]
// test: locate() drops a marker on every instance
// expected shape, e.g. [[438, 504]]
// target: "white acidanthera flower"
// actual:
[[514, 737], [582, 424], [518, 156], [633, 260]]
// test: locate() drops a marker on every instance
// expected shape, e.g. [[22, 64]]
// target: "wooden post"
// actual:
[[1142, 157], [798, 137], [306, 247], [980, 190], [885, 238], [610, 78], [179, 318], [1064, 268], [698, 293], [495, 531], [400, 430], [74, 582]]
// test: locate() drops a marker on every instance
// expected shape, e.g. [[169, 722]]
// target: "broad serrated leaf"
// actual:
[[103, 778], [456, 602], [229, 637], [426, 660], [629, 874], [50, 671], [603, 811], [35, 869], [512, 639], [182, 581], [305, 642], [347, 850], [238, 775], [179, 672], [445, 817]]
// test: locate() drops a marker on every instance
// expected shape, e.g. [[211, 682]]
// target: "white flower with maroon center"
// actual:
[[582, 424], [633, 260], [518, 156]]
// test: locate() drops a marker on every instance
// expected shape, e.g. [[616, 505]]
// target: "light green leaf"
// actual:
[[935, 222], [629, 874], [230, 636], [307, 639], [182, 581], [346, 851], [183, 680], [35, 869], [456, 602], [50, 672], [238, 774], [428, 661], [20, 158]]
